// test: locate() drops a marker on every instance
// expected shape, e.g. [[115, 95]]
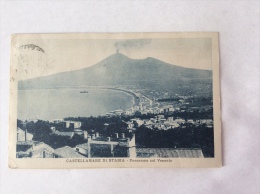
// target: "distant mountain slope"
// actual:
[[118, 69]]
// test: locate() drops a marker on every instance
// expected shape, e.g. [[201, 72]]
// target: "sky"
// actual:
[[50, 56]]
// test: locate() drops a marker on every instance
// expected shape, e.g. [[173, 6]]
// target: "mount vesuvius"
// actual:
[[119, 69]]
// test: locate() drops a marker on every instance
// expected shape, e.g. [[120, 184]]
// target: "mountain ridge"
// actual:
[[117, 69]]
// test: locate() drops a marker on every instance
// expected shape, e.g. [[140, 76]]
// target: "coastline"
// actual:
[[136, 98]]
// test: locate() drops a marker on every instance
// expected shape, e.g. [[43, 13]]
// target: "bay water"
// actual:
[[48, 104]]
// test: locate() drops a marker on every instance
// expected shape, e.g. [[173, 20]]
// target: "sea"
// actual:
[[49, 104]]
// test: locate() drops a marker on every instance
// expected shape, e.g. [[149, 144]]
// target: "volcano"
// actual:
[[119, 69]]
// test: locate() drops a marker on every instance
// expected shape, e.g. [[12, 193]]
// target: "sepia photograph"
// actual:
[[115, 100]]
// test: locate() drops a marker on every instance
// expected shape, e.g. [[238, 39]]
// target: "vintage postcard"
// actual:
[[115, 100]]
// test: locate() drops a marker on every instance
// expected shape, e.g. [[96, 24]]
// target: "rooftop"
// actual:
[[112, 139], [67, 152], [29, 143], [69, 134], [169, 152], [40, 147], [83, 146]]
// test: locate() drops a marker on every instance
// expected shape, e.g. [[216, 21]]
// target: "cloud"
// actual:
[[132, 44]]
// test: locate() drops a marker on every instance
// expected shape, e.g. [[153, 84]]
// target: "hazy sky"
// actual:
[[70, 54]]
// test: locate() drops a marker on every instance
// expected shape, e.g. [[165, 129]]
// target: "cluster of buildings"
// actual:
[[27, 148], [162, 123], [97, 146], [147, 105], [143, 110], [67, 128], [68, 124]]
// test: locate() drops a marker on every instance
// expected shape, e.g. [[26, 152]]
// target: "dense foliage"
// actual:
[[189, 137], [41, 132]]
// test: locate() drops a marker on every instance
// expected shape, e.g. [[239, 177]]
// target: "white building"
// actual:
[[72, 124], [24, 135], [137, 121], [42, 150]]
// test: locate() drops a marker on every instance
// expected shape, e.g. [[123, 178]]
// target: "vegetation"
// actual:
[[189, 137], [104, 125], [41, 132]]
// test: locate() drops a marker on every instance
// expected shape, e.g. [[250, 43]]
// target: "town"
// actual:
[[169, 127]]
